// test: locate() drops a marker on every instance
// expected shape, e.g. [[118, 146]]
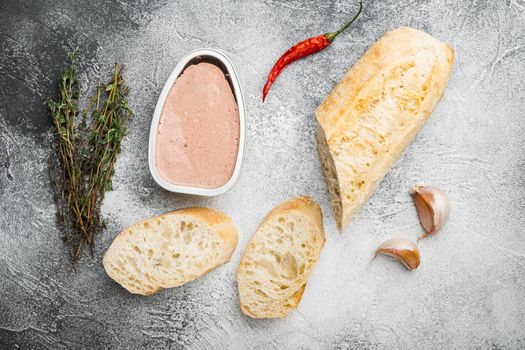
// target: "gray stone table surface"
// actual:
[[469, 291]]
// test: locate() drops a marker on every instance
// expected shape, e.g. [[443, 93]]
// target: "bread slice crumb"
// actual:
[[279, 259], [169, 250]]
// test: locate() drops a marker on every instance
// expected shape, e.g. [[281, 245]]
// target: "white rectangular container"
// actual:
[[220, 60]]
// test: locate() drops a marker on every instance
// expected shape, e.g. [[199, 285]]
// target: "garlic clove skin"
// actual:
[[403, 250], [433, 207]]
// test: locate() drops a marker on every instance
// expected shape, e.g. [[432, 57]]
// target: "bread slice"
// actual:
[[278, 260], [171, 249], [375, 111]]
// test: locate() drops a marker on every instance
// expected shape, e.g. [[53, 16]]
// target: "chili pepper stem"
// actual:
[[332, 35]]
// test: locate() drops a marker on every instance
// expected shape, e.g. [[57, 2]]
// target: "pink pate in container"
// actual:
[[198, 130]]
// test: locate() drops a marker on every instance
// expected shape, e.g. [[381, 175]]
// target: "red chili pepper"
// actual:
[[303, 49]]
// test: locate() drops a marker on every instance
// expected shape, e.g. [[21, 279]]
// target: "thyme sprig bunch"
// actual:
[[87, 145]]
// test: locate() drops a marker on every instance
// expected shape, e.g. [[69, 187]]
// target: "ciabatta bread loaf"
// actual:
[[278, 260], [169, 250], [375, 111]]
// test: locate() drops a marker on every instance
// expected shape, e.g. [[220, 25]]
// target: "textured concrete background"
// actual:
[[469, 291]]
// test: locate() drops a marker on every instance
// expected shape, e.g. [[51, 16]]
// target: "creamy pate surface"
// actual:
[[198, 133]]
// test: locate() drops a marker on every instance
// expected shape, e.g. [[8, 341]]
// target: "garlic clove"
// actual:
[[433, 207], [401, 249]]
